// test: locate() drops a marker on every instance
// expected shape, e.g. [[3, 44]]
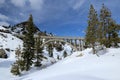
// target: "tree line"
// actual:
[[102, 29]]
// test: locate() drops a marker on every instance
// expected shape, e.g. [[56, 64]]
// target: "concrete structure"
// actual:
[[76, 43]]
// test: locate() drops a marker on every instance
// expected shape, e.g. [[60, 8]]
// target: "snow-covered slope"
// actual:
[[2, 28], [86, 67], [79, 66], [9, 43]]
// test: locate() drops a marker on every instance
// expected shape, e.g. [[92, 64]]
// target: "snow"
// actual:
[[8, 41], [86, 67], [56, 53], [2, 28], [79, 66], [5, 66]]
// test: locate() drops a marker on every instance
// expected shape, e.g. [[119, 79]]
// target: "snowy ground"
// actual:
[[8, 41], [74, 67]]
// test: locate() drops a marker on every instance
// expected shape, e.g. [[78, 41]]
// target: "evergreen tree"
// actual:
[[15, 70], [108, 33], [118, 29], [38, 52], [113, 38], [105, 17], [91, 33], [28, 51]]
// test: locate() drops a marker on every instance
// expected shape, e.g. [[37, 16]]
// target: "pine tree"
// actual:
[[91, 34], [105, 17], [38, 52], [113, 38], [118, 29], [15, 70], [28, 51], [108, 33]]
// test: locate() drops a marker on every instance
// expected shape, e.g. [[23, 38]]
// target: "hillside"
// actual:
[[19, 29], [78, 66], [10, 37], [81, 65], [86, 67], [75, 67], [9, 43]]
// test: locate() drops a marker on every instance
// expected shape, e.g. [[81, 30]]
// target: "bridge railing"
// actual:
[[59, 37]]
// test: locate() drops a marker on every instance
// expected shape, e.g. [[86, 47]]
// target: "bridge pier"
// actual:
[[80, 42]]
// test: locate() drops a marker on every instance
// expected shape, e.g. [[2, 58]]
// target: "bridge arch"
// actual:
[[52, 40]]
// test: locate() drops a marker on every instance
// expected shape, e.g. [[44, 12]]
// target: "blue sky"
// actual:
[[61, 17]]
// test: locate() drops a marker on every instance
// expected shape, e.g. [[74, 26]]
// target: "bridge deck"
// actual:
[[56, 37]]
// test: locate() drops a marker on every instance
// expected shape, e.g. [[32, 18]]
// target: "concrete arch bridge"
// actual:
[[76, 43]]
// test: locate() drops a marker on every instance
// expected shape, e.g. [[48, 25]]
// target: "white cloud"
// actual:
[[21, 14], [3, 17], [4, 23], [2, 1], [77, 4], [18, 3], [36, 4]]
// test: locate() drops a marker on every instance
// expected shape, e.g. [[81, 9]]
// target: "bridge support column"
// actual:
[[80, 45], [75, 43], [83, 43], [71, 42]]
